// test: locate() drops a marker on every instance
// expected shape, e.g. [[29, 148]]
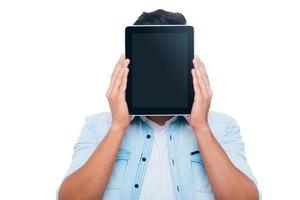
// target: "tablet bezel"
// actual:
[[190, 55]]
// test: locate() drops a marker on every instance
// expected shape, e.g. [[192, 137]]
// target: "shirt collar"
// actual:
[[184, 117]]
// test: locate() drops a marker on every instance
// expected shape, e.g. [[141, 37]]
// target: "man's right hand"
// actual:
[[88, 182], [116, 95]]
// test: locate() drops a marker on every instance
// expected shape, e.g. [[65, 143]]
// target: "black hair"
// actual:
[[160, 17]]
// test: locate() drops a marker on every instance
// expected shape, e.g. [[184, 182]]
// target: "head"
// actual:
[[160, 17]]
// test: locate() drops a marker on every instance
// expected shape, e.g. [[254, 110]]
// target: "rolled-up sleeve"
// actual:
[[234, 147], [83, 148], [92, 133]]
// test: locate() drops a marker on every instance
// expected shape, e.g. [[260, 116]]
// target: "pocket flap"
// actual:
[[196, 157], [123, 154]]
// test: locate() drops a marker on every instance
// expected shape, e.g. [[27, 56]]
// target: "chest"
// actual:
[[143, 152]]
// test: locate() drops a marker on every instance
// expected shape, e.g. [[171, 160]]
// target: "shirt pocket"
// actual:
[[200, 179], [119, 169]]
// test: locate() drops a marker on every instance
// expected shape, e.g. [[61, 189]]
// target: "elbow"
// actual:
[[66, 193], [240, 191], [250, 192], [70, 191], [240, 195], [254, 194]]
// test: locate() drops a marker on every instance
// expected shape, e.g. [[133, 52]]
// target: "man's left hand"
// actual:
[[203, 94]]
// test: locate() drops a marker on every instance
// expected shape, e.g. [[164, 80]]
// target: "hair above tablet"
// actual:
[[160, 17]]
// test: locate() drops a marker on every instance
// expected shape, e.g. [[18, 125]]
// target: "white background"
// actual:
[[56, 58]]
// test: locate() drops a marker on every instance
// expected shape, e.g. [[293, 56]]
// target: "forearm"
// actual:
[[227, 181], [89, 181]]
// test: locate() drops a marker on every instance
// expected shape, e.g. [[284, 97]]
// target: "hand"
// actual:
[[116, 95], [203, 94]]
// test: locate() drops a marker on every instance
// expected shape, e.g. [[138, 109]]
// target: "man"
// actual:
[[159, 157]]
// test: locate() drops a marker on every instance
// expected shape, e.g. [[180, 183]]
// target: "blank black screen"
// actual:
[[159, 70]]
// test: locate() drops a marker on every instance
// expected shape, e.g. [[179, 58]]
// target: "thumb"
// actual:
[[189, 119]]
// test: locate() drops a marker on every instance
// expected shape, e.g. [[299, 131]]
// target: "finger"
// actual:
[[204, 70], [205, 77], [202, 67], [115, 71], [124, 81], [195, 85], [200, 77], [119, 76], [189, 118]]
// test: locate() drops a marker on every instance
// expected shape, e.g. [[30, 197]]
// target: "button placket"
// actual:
[[148, 142], [174, 169]]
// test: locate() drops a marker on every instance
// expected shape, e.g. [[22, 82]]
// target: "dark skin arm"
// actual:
[[88, 182], [226, 180]]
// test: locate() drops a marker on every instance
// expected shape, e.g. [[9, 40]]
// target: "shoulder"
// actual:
[[96, 118], [222, 124], [220, 118], [98, 124]]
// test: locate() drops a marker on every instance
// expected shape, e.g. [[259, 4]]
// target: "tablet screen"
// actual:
[[159, 70], [159, 80]]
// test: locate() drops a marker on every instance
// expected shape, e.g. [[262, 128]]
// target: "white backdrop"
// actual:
[[56, 58]]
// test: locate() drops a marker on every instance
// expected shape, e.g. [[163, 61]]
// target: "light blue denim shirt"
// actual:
[[190, 180]]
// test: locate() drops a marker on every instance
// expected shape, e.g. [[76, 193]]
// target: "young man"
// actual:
[[159, 157]]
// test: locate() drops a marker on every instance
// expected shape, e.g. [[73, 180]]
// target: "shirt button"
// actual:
[[136, 185], [144, 159], [148, 136]]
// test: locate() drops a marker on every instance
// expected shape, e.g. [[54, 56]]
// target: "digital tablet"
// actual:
[[159, 80]]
